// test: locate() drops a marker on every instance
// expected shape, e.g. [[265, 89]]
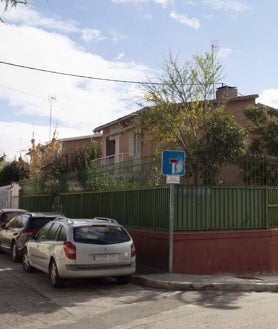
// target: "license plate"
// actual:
[[105, 257]]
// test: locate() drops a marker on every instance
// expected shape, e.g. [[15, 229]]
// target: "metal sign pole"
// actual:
[[171, 227], [173, 166]]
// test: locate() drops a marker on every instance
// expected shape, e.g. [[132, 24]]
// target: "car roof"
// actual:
[[86, 221], [7, 210], [44, 214]]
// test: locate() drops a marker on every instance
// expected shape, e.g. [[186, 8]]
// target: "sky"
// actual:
[[102, 48]]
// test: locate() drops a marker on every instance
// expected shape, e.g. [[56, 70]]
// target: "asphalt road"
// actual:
[[27, 301]]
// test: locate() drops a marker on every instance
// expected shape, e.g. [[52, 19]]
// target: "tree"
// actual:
[[223, 140], [2, 161], [264, 130], [181, 113], [14, 171], [81, 158], [260, 166], [13, 3], [35, 152], [47, 165]]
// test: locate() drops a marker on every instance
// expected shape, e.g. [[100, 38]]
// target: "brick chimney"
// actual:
[[226, 92]]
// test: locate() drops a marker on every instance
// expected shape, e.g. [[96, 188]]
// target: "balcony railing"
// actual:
[[112, 159]]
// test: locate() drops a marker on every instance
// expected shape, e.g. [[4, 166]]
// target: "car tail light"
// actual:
[[133, 250], [70, 250]]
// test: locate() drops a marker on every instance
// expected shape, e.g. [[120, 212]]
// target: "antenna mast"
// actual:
[[51, 99], [214, 45]]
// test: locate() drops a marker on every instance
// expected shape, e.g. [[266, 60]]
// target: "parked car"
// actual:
[[81, 248], [7, 213], [14, 233]]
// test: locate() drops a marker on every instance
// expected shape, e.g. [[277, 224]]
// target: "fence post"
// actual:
[[266, 207]]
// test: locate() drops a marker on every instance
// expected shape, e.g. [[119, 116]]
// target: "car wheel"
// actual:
[[123, 279], [25, 262], [15, 254], [55, 279]]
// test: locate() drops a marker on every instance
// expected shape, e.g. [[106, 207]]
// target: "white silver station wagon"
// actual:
[[81, 248]]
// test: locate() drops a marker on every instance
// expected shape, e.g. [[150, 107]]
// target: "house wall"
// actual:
[[225, 252], [236, 106], [71, 145], [115, 132], [125, 142], [148, 147]]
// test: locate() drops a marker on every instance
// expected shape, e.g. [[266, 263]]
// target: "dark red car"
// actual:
[[7, 213]]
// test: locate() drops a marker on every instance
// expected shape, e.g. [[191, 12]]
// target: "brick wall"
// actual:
[[69, 146]]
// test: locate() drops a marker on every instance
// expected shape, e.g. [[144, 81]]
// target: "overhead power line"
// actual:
[[85, 76], [74, 75]]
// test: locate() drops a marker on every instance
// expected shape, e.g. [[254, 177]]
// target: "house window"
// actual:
[[134, 144]]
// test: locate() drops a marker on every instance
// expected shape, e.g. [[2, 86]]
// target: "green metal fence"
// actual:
[[206, 208], [272, 207], [141, 208], [196, 208]]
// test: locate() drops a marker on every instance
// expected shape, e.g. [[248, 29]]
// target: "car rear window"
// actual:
[[38, 222], [101, 234]]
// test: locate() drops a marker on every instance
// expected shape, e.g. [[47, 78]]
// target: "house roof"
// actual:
[[79, 137], [131, 115], [114, 122]]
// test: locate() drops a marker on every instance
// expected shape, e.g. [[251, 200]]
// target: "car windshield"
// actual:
[[100, 234]]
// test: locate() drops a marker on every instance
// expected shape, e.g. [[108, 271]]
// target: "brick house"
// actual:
[[69, 145], [121, 142]]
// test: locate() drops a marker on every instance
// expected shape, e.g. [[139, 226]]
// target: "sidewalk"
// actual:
[[153, 278]]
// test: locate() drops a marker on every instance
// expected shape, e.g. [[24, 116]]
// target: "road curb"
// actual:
[[146, 281]]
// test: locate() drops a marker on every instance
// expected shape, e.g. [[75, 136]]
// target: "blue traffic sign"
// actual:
[[173, 163]]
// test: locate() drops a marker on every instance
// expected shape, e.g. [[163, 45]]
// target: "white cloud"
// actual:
[[20, 142], [184, 19], [269, 97], [232, 5], [29, 17], [91, 34], [82, 104], [163, 3], [119, 57], [224, 52], [116, 36]]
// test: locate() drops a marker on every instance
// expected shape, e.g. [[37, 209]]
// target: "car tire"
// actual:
[[55, 279], [15, 255], [123, 279], [25, 263]]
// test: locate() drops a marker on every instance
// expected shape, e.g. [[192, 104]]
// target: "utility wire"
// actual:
[[75, 75], [85, 76], [22, 92]]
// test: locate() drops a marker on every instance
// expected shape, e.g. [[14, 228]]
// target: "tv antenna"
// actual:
[[51, 99]]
